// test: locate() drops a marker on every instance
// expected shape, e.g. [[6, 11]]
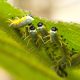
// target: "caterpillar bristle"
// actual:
[[40, 24], [64, 39]]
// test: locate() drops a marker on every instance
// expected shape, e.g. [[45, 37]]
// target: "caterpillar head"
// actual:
[[29, 19], [32, 28], [40, 25], [53, 30]]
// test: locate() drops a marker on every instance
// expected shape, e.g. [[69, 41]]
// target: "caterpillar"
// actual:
[[33, 35], [20, 22], [48, 36], [56, 43], [41, 29], [54, 37]]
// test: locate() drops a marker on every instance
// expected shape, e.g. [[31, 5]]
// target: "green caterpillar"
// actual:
[[53, 43]]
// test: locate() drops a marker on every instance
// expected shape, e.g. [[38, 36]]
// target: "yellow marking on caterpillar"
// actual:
[[17, 21]]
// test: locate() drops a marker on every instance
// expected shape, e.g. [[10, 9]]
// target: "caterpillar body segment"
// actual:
[[56, 44], [20, 22], [73, 52]]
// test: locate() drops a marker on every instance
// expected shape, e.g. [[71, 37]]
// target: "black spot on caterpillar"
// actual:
[[12, 17]]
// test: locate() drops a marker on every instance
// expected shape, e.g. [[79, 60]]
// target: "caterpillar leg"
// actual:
[[41, 39], [46, 36], [27, 37], [47, 41], [25, 33], [38, 43], [28, 41]]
